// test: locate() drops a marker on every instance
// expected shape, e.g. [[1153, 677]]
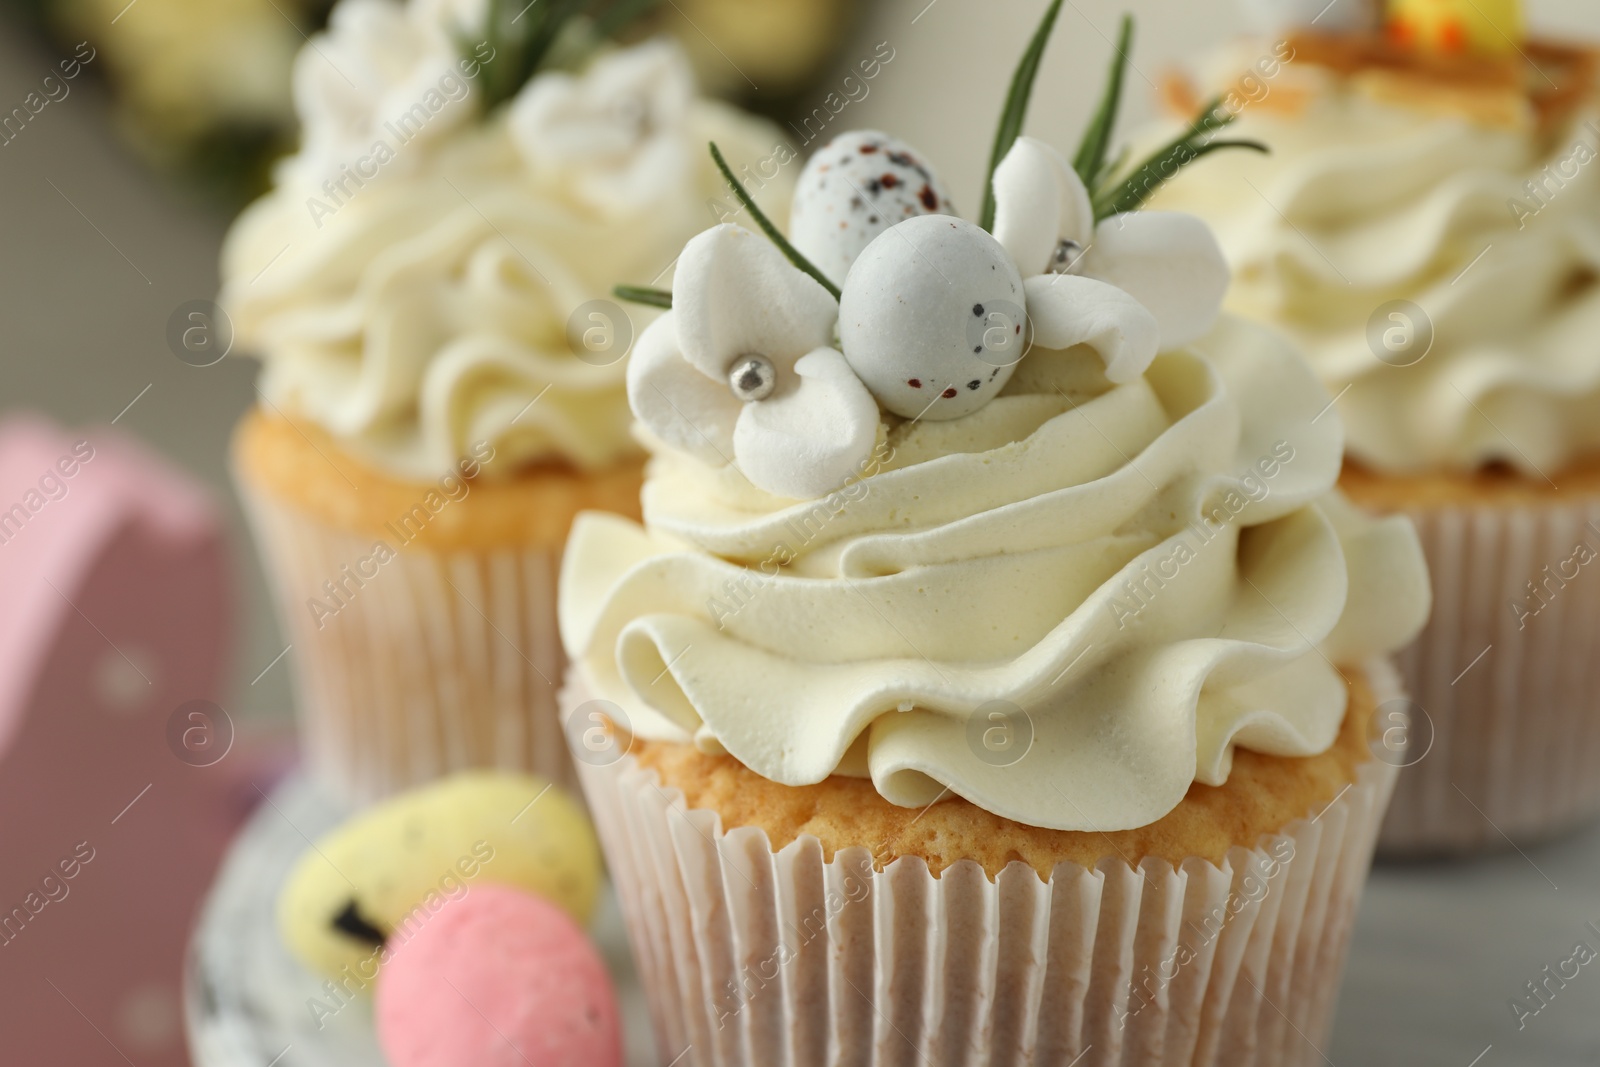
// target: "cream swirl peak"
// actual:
[[429, 275], [1436, 258], [1127, 558]]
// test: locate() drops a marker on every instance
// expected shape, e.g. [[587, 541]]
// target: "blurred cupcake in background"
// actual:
[[992, 674], [755, 52], [442, 387], [200, 87], [1427, 227]]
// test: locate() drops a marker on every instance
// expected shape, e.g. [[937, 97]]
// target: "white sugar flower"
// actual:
[[1075, 272], [615, 134], [743, 370], [381, 80]]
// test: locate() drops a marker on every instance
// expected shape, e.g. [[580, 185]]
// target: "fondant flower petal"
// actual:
[[1167, 260], [735, 294], [1068, 310], [677, 403], [812, 434], [1039, 200]]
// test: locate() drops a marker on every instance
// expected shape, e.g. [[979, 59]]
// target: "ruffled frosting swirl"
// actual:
[[1140, 576], [1368, 198], [444, 302]]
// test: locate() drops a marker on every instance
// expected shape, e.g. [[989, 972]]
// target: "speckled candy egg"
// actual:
[[396, 863], [932, 318], [498, 978], [852, 189]]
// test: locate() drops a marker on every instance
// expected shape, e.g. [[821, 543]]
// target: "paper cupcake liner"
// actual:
[[441, 662], [1508, 734], [751, 957]]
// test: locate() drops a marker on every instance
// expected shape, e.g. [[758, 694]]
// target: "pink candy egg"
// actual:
[[497, 978]]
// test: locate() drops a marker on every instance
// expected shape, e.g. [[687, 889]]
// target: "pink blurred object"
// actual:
[[113, 569], [497, 978]]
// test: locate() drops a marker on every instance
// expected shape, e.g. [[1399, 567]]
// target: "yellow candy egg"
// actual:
[[366, 887], [1483, 27]]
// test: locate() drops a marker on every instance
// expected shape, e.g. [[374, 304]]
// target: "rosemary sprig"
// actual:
[[642, 294], [1165, 163], [620, 15], [523, 36], [1111, 166], [521, 40], [1091, 158], [1016, 107], [766, 225]]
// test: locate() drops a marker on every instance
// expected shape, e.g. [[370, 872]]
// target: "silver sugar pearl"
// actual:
[[1067, 255], [752, 378]]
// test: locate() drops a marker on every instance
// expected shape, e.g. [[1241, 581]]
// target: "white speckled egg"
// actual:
[[932, 318], [852, 189]]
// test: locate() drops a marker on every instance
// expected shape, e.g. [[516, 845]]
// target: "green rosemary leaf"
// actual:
[[1166, 161], [1159, 169], [1211, 117], [540, 38], [540, 42], [488, 75], [620, 15], [505, 37], [1097, 138], [1111, 166], [521, 39], [1016, 107], [766, 225], [641, 294]]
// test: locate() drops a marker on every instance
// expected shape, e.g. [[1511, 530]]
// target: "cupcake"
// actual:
[[442, 390], [994, 669], [1427, 229]]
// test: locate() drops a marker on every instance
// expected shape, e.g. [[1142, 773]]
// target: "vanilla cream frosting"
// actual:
[[1136, 577], [435, 296], [1371, 196]]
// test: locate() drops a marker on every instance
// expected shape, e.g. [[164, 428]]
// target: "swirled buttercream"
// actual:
[[1137, 577], [1488, 231], [414, 311]]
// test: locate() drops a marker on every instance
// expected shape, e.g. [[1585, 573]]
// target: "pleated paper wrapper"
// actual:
[[442, 662], [750, 957], [1505, 731]]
